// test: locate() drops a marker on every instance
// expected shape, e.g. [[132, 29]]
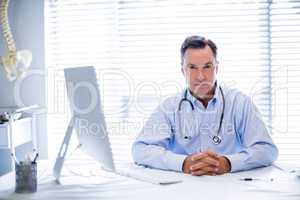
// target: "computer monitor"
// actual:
[[87, 119]]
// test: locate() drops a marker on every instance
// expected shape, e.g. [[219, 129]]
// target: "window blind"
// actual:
[[285, 31], [135, 47]]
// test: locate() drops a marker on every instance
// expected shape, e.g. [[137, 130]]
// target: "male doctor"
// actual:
[[208, 129]]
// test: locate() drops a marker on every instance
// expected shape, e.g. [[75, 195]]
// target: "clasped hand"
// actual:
[[206, 163]]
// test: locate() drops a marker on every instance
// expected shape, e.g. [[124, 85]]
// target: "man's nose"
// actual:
[[200, 74]]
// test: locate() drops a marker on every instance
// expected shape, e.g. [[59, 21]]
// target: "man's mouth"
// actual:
[[202, 85]]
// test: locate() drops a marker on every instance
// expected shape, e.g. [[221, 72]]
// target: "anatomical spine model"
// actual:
[[15, 62]]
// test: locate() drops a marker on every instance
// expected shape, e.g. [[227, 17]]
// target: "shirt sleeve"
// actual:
[[258, 148], [152, 146]]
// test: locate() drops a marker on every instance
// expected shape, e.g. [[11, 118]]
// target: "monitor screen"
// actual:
[[88, 117]]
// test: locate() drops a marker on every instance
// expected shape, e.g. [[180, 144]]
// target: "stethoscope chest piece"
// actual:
[[216, 139]]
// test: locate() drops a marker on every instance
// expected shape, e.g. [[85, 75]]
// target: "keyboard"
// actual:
[[153, 176]]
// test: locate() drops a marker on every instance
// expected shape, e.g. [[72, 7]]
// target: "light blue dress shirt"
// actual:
[[170, 134]]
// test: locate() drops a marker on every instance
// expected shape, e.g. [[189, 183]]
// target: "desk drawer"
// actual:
[[22, 131]]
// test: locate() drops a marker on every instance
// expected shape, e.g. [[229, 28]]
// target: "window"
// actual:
[[135, 47], [285, 60]]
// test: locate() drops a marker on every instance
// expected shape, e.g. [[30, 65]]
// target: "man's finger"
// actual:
[[203, 166], [204, 171], [211, 153], [199, 156], [211, 161], [198, 173], [211, 173]]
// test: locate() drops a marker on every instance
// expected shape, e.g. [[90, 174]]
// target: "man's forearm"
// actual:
[[157, 157], [257, 156]]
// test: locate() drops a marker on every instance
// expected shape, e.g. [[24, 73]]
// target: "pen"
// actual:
[[15, 158], [249, 179], [36, 155], [253, 179], [27, 159]]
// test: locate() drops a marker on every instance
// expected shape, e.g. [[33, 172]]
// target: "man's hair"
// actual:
[[196, 42]]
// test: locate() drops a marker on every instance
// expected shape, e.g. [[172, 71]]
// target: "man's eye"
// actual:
[[207, 66], [192, 67]]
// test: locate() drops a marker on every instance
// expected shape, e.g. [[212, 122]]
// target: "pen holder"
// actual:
[[26, 177]]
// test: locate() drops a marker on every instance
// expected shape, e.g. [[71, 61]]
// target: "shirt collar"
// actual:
[[214, 100]]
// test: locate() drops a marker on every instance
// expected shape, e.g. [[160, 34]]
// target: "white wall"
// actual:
[[27, 23]]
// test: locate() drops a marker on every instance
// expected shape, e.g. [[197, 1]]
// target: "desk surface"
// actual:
[[110, 186]]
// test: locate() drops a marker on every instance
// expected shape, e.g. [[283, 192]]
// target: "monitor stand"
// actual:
[[63, 151]]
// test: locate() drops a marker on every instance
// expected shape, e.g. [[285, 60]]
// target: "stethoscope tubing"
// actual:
[[216, 138]]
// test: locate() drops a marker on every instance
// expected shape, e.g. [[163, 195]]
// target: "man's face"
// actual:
[[200, 69]]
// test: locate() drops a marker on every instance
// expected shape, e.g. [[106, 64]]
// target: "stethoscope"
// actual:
[[216, 139]]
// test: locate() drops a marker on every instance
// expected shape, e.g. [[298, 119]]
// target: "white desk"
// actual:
[[228, 186], [22, 140], [22, 130]]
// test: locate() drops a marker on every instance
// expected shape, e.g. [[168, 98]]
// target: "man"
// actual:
[[208, 129]]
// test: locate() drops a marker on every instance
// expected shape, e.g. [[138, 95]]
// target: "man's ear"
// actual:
[[182, 71], [217, 67]]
